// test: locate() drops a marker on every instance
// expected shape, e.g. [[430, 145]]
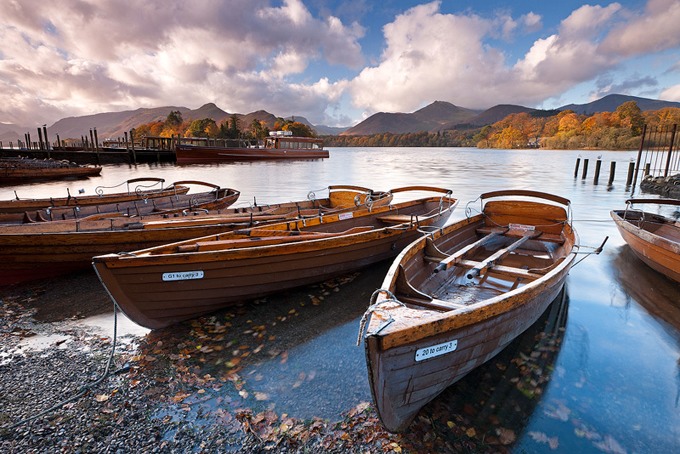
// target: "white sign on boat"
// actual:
[[183, 275], [436, 350]]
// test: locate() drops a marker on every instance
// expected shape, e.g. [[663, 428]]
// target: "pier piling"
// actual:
[[40, 139], [631, 170], [47, 142], [91, 139], [612, 172], [585, 169], [598, 166], [578, 162]]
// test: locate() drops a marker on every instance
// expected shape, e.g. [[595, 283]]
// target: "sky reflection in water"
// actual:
[[616, 380]]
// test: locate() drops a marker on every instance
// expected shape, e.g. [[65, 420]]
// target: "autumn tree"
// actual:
[[631, 117], [258, 129], [174, 119], [202, 128], [298, 129]]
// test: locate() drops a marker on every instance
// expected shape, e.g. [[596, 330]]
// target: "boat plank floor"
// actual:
[[465, 294]]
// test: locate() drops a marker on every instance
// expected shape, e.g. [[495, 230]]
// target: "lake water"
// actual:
[[613, 385]]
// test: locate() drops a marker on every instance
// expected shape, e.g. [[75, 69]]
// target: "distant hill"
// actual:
[[441, 115], [324, 130], [611, 102], [10, 133], [320, 130], [430, 118], [115, 124], [437, 116], [497, 113]]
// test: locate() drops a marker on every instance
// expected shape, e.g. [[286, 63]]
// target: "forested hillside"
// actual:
[[618, 130]]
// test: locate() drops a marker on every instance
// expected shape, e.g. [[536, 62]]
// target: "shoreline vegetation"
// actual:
[[618, 130], [567, 130]]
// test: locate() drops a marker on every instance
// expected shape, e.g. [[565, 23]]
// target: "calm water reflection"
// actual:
[[615, 381]]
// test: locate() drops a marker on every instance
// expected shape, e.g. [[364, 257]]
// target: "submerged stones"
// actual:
[[664, 186]]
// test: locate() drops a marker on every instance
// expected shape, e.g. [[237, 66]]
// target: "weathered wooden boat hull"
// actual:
[[653, 238], [444, 324], [194, 154], [40, 250], [134, 192], [161, 286], [13, 175], [173, 202]]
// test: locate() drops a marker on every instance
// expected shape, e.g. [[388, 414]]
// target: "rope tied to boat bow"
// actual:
[[375, 307]]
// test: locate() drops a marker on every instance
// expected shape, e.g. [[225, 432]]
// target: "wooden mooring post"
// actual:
[[132, 142], [631, 170], [578, 162], [585, 169], [612, 172], [598, 166], [40, 139]]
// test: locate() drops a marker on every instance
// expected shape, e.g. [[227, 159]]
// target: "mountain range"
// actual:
[[441, 115], [438, 116]]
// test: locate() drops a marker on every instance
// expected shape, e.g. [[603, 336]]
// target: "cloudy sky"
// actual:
[[333, 61]]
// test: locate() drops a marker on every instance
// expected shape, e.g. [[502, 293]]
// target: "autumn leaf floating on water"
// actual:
[[558, 411], [540, 437]]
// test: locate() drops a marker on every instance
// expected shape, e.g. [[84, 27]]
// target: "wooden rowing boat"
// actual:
[[159, 286], [170, 202], [47, 249], [455, 298], [654, 238], [136, 189], [18, 170]]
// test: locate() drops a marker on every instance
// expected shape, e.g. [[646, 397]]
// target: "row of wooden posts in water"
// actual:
[[43, 143], [658, 156], [598, 166]]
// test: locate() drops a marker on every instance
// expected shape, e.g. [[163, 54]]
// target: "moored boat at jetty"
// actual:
[[654, 238], [20, 170], [277, 146], [175, 198], [46, 249], [159, 286], [455, 298]]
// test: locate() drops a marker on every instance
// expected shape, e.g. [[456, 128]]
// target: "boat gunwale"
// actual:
[[146, 257], [643, 234], [435, 322]]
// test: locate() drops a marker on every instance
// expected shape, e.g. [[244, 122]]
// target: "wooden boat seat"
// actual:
[[456, 257], [549, 237], [397, 218], [501, 269], [490, 262]]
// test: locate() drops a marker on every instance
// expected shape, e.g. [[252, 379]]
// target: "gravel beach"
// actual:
[[193, 387]]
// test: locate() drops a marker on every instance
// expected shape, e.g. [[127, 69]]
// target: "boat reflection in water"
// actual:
[[655, 293]]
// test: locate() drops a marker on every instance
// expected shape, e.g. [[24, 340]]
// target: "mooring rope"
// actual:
[[375, 307], [85, 388]]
